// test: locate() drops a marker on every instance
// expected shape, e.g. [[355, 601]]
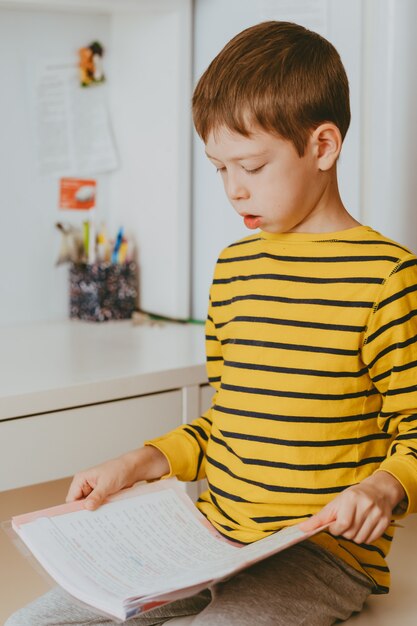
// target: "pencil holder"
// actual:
[[102, 291]]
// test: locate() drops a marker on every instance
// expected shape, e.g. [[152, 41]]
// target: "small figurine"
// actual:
[[72, 245], [90, 64]]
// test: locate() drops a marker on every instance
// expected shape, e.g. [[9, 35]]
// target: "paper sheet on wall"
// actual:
[[71, 125], [309, 13]]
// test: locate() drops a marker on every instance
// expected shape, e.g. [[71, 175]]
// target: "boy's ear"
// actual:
[[326, 142]]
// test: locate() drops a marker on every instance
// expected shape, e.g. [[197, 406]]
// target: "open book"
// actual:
[[146, 546]]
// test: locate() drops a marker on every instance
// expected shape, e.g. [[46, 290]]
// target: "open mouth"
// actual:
[[252, 221]]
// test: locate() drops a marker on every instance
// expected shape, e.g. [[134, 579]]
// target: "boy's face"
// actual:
[[266, 181]]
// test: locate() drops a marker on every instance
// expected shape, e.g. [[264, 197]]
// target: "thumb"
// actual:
[[322, 518], [94, 500]]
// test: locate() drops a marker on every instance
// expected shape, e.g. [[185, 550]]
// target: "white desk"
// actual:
[[73, 394]]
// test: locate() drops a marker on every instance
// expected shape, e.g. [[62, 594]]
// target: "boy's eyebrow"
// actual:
[[242, 157]]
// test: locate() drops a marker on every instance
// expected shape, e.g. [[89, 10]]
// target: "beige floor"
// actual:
[[399, 607], [19, 581]]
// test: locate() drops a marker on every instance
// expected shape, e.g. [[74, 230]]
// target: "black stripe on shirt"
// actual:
[[275, 488], [230, 537], [290, 346], [405, 265], [391, 324], [295, 467], [226, 494], [276, 518], [309, 259], [295, 323], [366, 242], [380, 568], [296, 418], [396, 296], [295, 370], [225, 526], [201, 451], [369, 547], [219, 508], [387, 423], [396, 368], [306, 443], [198, 430], [394, 346], [316, 301], [300, 394], [400, 390], [403, 436], [244, 242], [365, 280]]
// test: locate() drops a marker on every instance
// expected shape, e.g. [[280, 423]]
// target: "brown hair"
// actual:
[[277, 75]]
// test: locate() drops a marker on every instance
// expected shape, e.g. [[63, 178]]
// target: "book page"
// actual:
[[128, 547], [146, 543]]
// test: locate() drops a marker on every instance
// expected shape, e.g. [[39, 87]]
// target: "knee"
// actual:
[[41, 612], [18, 619]]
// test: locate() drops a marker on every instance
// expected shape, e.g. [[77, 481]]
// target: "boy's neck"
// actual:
[[330, 214]]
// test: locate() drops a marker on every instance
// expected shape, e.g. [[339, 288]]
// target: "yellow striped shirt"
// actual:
[[311, 350]]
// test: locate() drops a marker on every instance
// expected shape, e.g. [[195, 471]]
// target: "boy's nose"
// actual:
[[236, 190]]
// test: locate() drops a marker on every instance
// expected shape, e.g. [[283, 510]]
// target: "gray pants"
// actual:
[[302, 586]]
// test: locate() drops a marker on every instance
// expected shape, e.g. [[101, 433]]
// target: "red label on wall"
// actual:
[[77, 194]]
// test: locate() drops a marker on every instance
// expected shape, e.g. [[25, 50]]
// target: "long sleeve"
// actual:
[[185, 447], [389, 352], [310, 345]]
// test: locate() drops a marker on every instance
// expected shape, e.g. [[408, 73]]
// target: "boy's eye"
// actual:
[[257, 169], [254, 171]]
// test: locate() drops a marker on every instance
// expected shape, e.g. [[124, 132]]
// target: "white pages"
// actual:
[[146, 546]]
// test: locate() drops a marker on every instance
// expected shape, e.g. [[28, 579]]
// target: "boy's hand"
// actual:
[[362, 512], [103, 480]]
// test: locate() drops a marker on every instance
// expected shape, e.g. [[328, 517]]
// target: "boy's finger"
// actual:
[[343, 521], [315, 521], [94, 500], [75, 492], [322, 518]]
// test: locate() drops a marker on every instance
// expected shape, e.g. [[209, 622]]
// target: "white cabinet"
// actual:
[[58, 444], [206, 395], [75, 394]]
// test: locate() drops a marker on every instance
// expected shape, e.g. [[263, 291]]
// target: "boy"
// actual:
[[310, 337]]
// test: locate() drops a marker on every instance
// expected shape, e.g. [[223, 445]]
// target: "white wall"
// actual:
[[148, 68], [390, 129], [150, 95], [31, 287], [215, 224]]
